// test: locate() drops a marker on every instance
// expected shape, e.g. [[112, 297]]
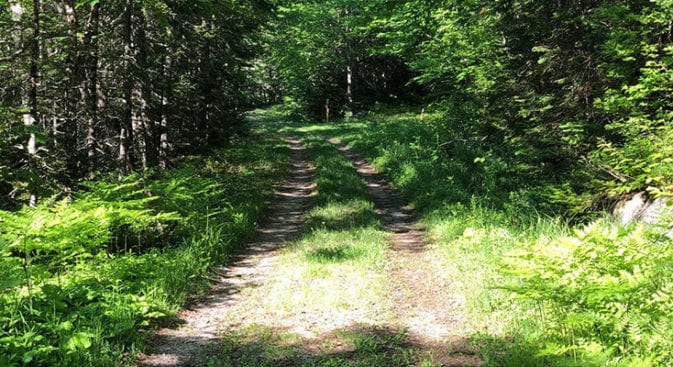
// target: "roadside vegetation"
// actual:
[[512, 127], [86, 276], [542, 288]]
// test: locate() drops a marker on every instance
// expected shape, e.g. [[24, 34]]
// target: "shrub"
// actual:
[[603, 294]]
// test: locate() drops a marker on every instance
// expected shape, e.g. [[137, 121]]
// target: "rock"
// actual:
[[642, 208]]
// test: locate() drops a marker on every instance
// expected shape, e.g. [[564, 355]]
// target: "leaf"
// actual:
[[66, 325], [91, 3], [78, 341], [28, 357]]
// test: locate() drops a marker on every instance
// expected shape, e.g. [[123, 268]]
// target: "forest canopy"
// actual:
[[573, 94], [91, 87], [131, 163]]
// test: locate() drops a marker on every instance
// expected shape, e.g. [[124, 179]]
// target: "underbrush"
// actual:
[[542, 290], [83, 278]]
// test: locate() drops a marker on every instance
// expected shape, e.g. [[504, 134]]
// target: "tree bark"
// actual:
[[144, 125], [349, 64], [162, 152], [71, 109], [30, 117], [126, 126], [91, 86], [206, 91]]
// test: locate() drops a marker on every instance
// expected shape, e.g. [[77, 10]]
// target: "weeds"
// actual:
[[539, 290], [83, 277]]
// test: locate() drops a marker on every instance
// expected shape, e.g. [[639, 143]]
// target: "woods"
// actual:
[[91, 87], [551, 88], [128, 167], [575, 95]]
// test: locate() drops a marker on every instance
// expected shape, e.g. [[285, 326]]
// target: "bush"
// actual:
[[81, 276], [604, 294]]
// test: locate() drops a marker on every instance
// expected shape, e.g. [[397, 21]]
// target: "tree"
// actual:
[[322, 50], [93, 87]]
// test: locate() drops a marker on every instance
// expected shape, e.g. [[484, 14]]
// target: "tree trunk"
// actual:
[[126, 126], [30, 117], [143, 123], [163, 114], [349, 65], [70, 105], [206, 92], [91, 86]]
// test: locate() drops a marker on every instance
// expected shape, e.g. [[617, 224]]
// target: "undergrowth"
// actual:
[[543, 287], [84, 277]]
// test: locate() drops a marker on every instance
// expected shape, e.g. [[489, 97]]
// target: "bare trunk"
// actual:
[[206, 92], [163, 115], [349, 89], [143, 124], [143, 129], [126, 128], [30, 117], [163, 138], [349, 65], [70, 104], [91, 86]]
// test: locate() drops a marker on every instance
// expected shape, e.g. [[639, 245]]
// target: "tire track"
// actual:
[[425, 304], [199, 325]]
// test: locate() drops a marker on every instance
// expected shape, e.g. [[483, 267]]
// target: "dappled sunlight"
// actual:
[[348, 214], [354, 345]]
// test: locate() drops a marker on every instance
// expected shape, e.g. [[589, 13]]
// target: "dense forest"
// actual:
[[124, 150], [575, 94]]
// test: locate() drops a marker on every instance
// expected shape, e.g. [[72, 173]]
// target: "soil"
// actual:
[[424, 304], [200, 325]]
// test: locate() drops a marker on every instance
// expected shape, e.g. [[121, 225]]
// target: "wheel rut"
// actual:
[[425, 304], [418, 299], [200, 324]]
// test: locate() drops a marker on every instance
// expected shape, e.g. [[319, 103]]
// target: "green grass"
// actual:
[[552, 307], [361, 346], [84, 279], [337, 272]]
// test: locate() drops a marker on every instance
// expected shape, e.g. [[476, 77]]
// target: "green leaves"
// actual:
[[608, 286], [78, 341], [637, 152], [81, 275], [90, 3]]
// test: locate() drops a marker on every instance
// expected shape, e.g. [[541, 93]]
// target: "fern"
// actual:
[[607, 285]]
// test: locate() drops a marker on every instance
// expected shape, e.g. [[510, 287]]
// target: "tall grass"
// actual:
[[84, 278], [540, 290]]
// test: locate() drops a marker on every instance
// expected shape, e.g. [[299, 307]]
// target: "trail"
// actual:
[[200, 325], [424, 302], [262, 312]]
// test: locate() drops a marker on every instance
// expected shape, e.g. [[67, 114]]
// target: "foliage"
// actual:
[[317, 45], [539, 292], [574, 98], [83, 276], [604, 294], [338, 266], [430, 163], [122, 85], [638, 154]]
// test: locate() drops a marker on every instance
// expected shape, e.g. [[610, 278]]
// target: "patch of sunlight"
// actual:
[[311, 298]]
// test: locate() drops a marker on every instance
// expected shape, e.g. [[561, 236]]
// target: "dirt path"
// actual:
[[425, 305], [269, 308], [200, 325]]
